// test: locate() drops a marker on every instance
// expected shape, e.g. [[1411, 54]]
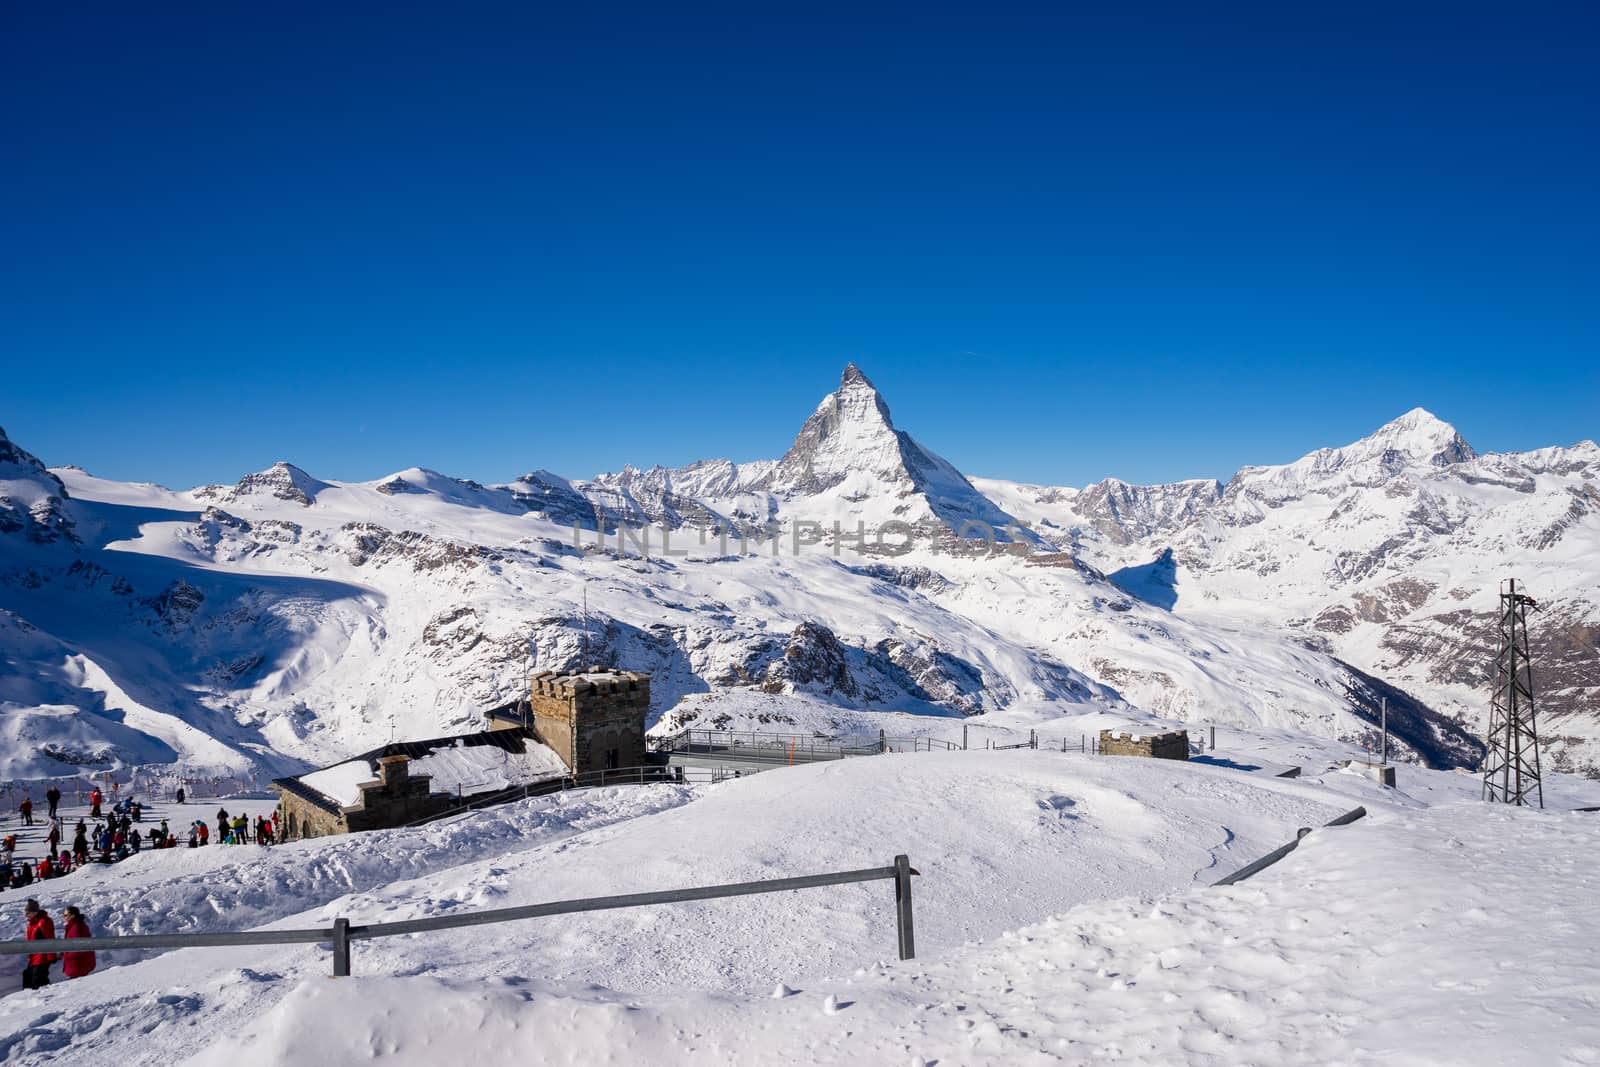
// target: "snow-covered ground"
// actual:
[[1061, 916], [1452, 936]]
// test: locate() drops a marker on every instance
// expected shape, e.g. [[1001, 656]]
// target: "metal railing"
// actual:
[[1277, 854], [342, 933], [774, 747]]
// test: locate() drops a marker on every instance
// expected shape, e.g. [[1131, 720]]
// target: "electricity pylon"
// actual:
[[1511, 766]]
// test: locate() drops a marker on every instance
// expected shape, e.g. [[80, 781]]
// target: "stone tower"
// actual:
[[594, 720]]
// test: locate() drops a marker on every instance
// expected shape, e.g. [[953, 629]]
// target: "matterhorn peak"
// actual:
[[852, 376]]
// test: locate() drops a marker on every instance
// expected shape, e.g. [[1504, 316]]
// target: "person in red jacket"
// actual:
[[95, 796], [36, 975], [76, 964]]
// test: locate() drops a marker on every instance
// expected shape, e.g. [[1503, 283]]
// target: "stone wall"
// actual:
[[300, 818], [592, 720], [1174, 745]]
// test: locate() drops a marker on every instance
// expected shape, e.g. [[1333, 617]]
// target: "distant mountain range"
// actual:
[[286, 619]]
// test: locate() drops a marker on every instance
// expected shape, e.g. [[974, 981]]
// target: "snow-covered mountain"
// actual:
[[1387, 552], [288, 618]]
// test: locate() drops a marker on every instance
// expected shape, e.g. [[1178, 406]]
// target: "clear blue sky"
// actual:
[[487, 239]]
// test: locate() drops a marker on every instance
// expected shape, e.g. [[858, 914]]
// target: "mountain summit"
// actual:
[[850, 449]]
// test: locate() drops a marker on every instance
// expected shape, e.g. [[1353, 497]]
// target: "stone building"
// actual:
[[594, 719], [1173, 745], [569, 725], [391, 786]]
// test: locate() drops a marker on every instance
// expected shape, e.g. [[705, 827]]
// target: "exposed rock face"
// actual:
[[32, 500], [282, 481], [650, 497], [177, 604], [812, 661], [554, 498], [1125, 513]]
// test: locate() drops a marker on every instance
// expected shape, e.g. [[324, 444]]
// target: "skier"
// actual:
[[180, 794], [37, 973], [204, 830], [76, 964], [26, 807], [241, 830], [53, 795], [94, 802], [54, 836], [222, 826]]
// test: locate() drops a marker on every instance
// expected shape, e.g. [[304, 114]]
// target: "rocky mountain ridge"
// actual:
[[288, 619]]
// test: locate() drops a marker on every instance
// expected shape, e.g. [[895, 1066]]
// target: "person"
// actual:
[[80, 846], [194, 838], [53, 795], [241, 830], [22, 876], [76, 964], [137, 811], [54, 837], [135, 841], [180, 794], [37, 973], [94, 802], [26, 807], [47, 869], [204, 830], [222, 825], [155, 837], [9, 845]]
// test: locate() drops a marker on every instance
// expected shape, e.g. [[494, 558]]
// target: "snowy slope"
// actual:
[[1387, 552], [1380, 943]]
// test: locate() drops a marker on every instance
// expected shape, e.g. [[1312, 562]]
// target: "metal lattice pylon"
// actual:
[[1511, 767]]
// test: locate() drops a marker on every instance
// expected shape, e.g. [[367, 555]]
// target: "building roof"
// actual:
[[465, 764]]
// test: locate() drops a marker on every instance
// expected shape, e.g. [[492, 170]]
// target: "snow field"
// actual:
[[1000, 839], [1386, 942]]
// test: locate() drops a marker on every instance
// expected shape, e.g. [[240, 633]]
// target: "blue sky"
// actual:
[[495, 238]]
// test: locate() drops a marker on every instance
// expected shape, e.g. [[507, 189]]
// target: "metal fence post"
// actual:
[[902, 907], [341, 948]]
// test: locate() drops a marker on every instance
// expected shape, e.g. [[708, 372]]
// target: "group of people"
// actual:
[[116, 838], [113, 839], [36, 974]]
